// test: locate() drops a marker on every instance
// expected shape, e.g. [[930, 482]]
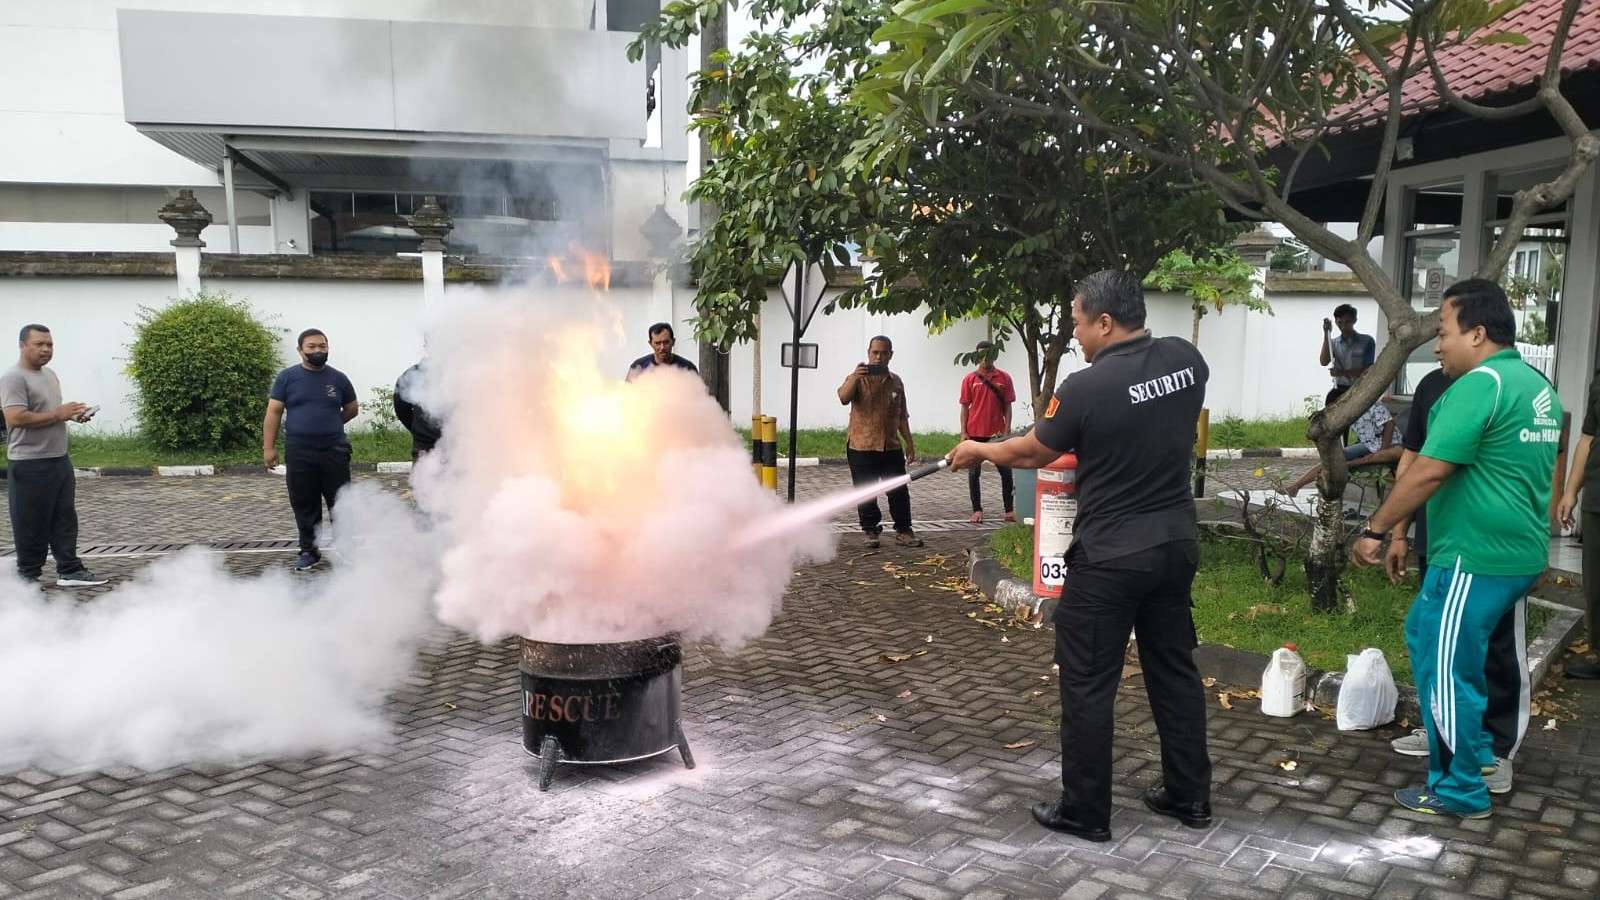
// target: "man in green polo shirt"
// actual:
[[1485, 473]]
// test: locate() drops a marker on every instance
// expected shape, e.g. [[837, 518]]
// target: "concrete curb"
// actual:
[[1232, 666], [1264, 453]]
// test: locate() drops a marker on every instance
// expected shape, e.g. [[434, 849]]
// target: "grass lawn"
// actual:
[[1232, 434], [1235, 607], [1242, 434], [90, 450], [829, 442]]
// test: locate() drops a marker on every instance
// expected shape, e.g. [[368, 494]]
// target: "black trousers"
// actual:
[[976, 491], [41, 495], [1100, 602], [314, 476], [869, 466], [1508, 691], [1591, 574]]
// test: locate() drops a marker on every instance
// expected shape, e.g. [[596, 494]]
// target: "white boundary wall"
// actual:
[[1260, 365]]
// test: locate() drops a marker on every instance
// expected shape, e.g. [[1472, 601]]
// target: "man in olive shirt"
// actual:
[[878, 423], [1130, 417], [1485, 474], [40, 483]]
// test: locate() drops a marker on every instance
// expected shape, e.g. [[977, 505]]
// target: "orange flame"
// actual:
[[596, 272]]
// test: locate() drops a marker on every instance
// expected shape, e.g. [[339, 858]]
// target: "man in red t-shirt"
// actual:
[[986, 398]]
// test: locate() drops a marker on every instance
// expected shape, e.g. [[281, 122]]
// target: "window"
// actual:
[[1432, 261], [520, 214], [1536, 272]]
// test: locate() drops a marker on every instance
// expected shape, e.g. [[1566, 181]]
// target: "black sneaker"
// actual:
[[307, 561], [79, 578]]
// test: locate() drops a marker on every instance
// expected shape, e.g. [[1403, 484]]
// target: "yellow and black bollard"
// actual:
[[755, 445], [769, 452], [1202, 439]]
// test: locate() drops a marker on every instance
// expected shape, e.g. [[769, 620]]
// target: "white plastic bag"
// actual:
[[1283, 684], [1368, 695]]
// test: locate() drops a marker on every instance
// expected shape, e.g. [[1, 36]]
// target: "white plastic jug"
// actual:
[[1367, 696], [1283, 684]]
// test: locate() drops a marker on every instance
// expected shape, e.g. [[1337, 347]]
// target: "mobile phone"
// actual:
[[876, 369]]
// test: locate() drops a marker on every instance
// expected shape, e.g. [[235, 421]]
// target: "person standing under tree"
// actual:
[[1485, 474], [1347, 355], [312, 401], [878, 423], [1130, 417], [1585, 478], [986, 398], [41, 486]]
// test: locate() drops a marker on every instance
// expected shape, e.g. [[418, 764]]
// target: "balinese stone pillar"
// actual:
[[188, 218], [433, 224]]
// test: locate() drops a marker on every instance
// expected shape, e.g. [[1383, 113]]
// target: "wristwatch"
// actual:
[[1369, 534]]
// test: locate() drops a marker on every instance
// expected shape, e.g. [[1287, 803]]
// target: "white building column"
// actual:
[[1255, 248], [1580, 301], [188, 218], [433, 224]]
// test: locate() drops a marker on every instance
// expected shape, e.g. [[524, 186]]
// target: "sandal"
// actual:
[[871, 542], [907, 539]]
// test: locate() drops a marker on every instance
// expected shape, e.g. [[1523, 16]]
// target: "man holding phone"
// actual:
[[878, 423], [40, 483], [1347, 355]]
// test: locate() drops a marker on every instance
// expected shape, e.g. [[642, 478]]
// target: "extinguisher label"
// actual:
[[1056, 515], [1052, 570]]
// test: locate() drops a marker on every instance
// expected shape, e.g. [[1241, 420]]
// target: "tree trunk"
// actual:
[[1198, 313], [1325, 558]]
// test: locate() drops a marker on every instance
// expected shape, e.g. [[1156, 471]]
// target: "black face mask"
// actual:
[[317, 359]]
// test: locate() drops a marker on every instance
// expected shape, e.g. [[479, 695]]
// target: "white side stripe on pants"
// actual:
[[1449, 630]]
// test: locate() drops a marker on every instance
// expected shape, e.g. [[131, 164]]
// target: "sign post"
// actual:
[[803, 287]]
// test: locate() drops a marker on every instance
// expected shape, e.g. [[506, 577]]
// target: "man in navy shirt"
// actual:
[[662, 340], [318, 400], [1130, 418]]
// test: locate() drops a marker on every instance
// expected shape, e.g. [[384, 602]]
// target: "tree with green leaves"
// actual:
[[1239, 95], [967, 218], [1211, 281]]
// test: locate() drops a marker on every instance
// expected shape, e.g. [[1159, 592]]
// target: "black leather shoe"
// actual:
[[1194, 815], [1054, 817], [1586, 671]]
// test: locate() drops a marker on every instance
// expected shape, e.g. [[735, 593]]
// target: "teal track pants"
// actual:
[[1447, 635]]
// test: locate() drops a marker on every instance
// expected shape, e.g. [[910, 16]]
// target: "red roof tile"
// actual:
[[1477, 71]]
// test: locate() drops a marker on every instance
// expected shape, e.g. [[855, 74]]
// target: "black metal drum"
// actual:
[[601, 703]]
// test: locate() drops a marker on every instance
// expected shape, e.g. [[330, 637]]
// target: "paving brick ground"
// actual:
[[826, 770]]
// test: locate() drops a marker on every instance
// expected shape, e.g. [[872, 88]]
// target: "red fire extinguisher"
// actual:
[[1055, 508]]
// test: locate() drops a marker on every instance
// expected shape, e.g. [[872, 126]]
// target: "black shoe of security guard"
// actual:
[[307, 561], [1585, 671], [1194, 815], [1054, 817]]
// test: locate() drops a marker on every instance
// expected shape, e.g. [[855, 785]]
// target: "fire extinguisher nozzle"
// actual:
[[930, 468]]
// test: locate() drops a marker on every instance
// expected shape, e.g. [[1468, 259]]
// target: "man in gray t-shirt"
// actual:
[[40, 483]]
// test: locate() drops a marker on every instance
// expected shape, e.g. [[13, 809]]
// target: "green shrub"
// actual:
[[380, 411], [203, 366]]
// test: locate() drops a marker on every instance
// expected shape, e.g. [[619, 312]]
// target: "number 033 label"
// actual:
[[1051, 570]]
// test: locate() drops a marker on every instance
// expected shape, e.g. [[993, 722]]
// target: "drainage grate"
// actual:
[[105, 550]]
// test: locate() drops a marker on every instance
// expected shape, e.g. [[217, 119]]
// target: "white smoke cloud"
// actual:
[[580, 509], [187, 662], [565, 505]]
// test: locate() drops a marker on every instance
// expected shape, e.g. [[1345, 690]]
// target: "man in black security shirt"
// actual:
[[1130, 418]]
